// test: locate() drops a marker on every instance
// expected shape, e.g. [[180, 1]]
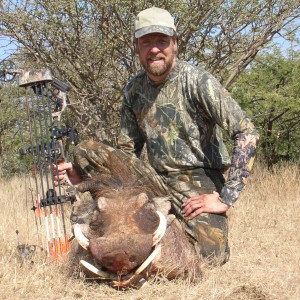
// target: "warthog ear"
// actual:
[[162, 204], [102, 202]]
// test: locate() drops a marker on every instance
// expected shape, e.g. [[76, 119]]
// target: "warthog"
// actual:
[[125, 233]]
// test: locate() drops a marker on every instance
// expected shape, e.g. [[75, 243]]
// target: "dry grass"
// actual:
[[264, 238]]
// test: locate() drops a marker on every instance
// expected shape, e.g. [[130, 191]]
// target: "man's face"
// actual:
[[157, 53]]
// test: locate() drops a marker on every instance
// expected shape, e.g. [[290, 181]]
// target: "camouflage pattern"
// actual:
[[32, 76], [208, 232], [180, 122], [92, 158]]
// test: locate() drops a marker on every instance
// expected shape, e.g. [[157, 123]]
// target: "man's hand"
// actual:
[[207, 203], [62, 169]]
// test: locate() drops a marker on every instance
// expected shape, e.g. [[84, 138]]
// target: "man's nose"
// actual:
[[154, 48]]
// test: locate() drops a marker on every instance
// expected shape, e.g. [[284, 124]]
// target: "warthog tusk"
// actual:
[[103, 275], [161, 229], [82, 240], [150, 258]]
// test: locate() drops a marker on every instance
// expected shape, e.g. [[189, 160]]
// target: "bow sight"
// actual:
[[45, 101]]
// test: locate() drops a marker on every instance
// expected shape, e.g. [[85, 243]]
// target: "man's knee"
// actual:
[[211, 234], [215, 254]]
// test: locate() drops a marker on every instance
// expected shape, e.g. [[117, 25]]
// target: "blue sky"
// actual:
[[6, 49]]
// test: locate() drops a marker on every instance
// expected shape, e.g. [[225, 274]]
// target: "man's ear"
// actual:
[[135, 46], [175, 41]]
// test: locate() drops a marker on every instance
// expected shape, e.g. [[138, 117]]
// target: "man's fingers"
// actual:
[[195, 213], [192, 199], [207, 203], [58, 178], [61, 176], [191, 208], [66, 166], [61, 167], [59, 172]]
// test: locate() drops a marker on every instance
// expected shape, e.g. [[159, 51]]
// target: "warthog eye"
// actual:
[[109, 263], [99, 222], [132, 258], [93, 226], [97, 228]]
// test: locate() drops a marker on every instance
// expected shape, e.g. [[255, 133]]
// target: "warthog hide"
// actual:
[[118, 223]]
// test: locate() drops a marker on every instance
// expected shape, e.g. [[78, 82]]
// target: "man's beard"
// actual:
[[158, 69]]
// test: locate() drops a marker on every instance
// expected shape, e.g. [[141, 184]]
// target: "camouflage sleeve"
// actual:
[[224, 110], [130, 138], [241, 166]]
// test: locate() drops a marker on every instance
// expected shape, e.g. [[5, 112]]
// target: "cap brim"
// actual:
[[154, 29]]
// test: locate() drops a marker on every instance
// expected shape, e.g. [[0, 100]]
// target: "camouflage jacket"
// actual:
[[180, 121]]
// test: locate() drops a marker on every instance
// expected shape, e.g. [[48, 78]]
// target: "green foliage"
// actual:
[[270, 91], [12, 120]]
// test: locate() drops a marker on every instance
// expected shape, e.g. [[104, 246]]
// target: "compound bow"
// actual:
[[46, 101]]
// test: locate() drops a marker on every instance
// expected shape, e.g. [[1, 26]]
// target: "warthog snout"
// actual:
[[121, 255]]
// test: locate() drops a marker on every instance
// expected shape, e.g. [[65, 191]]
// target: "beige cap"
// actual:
[[152, 20]]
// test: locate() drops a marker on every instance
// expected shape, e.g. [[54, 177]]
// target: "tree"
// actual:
[[89, 44], [269, 90], [11, 129]]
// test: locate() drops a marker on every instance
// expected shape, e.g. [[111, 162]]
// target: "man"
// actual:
[[176, 111]]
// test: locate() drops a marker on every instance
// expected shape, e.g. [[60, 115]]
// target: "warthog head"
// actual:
[[121, 230], [120, 225]]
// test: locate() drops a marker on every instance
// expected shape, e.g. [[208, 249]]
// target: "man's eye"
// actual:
[[163, 42], [145, 44]]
